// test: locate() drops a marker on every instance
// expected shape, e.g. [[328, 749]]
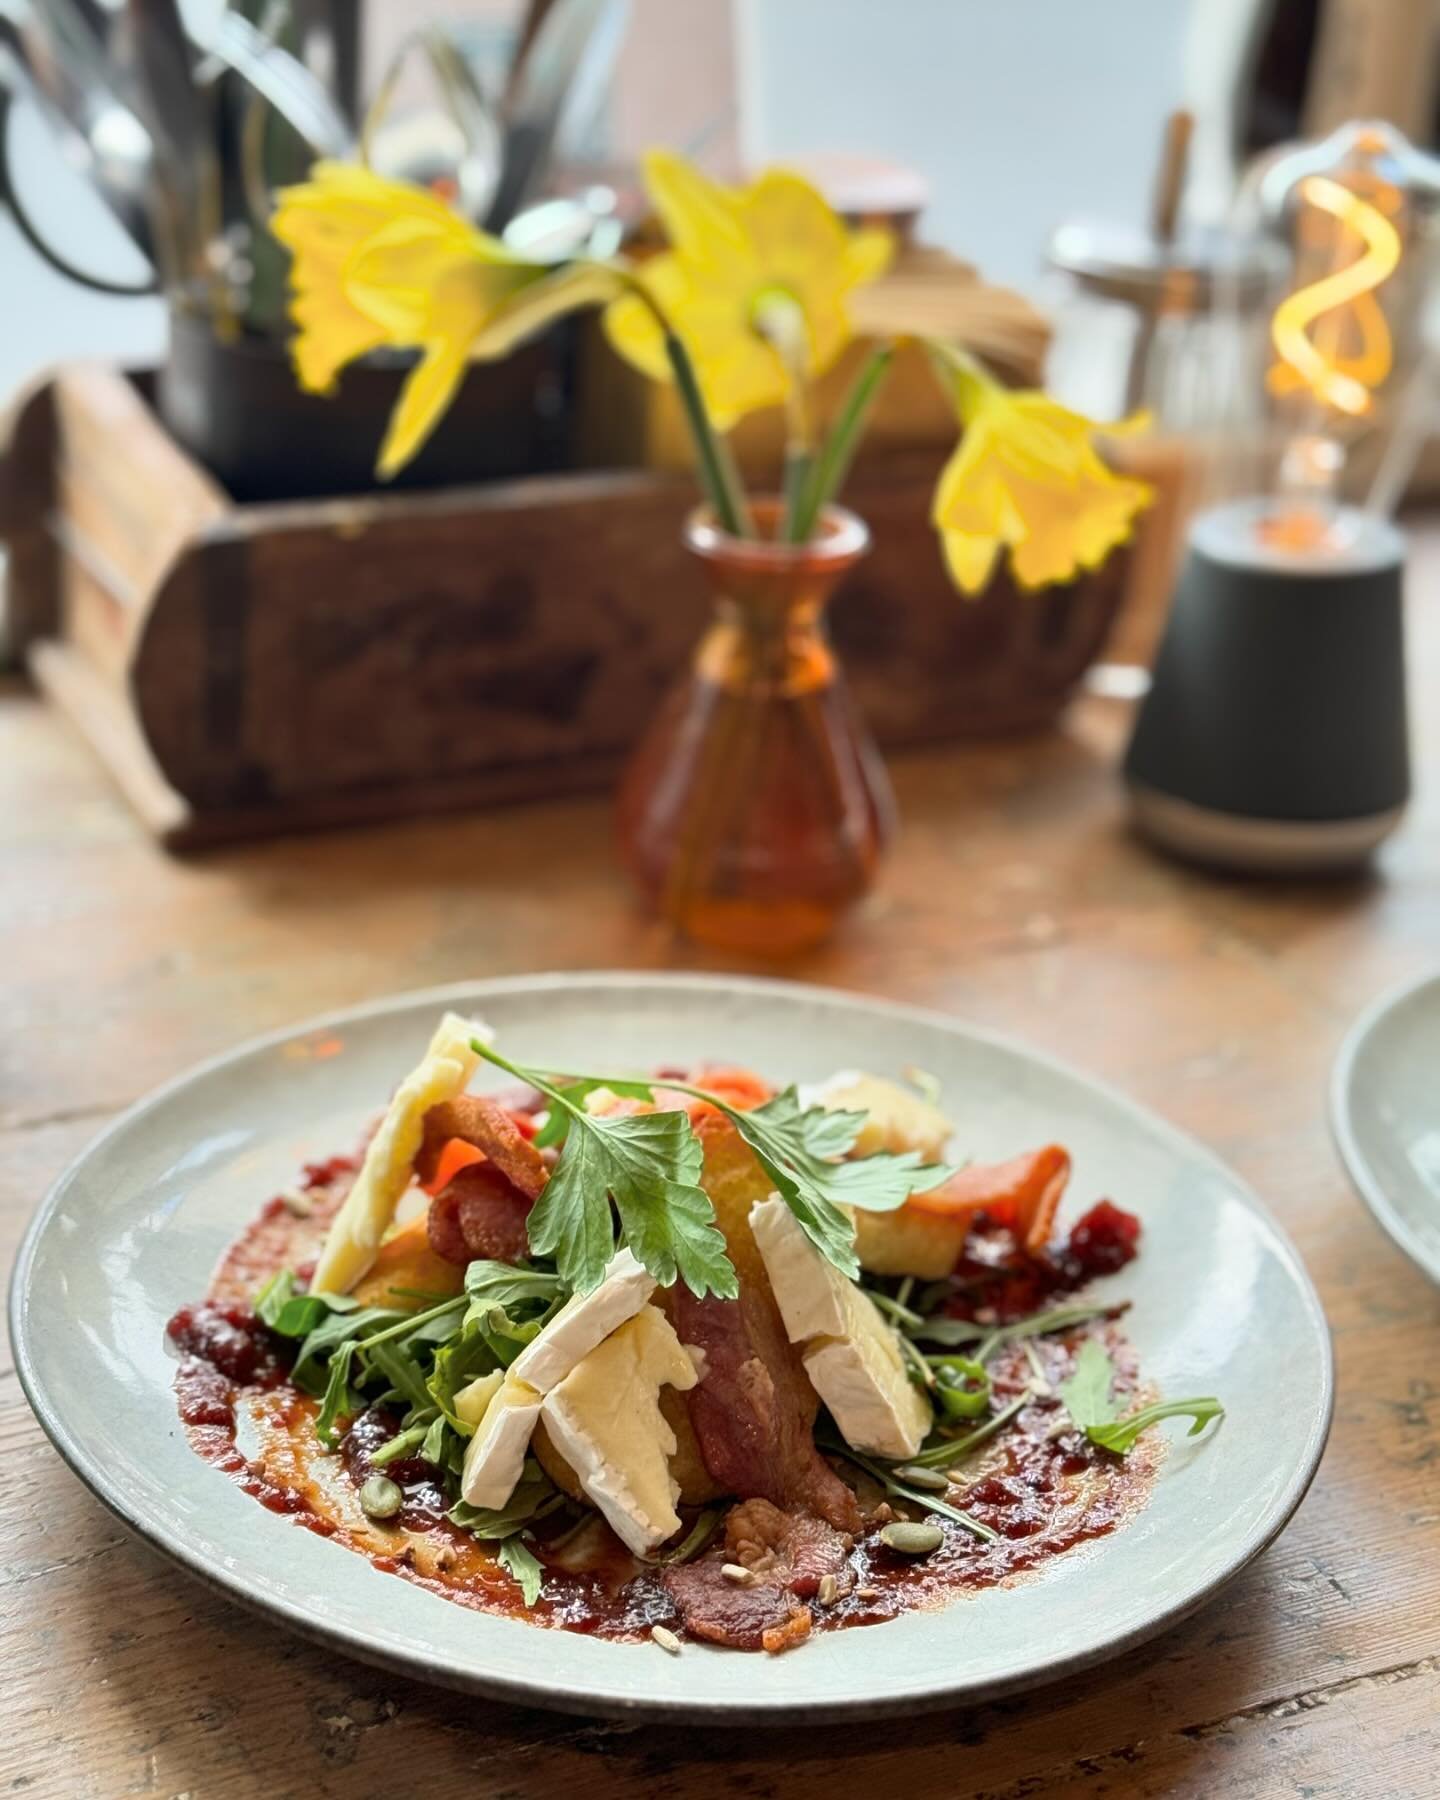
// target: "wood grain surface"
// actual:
[[1015, 899]]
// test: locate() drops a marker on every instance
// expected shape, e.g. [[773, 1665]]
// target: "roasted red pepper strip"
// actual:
[[1023, 1193], [455, 1156]]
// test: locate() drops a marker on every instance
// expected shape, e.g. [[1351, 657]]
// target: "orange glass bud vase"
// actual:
[[756, 809]]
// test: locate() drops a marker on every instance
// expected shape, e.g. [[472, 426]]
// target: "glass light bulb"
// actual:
[[1347, 344]]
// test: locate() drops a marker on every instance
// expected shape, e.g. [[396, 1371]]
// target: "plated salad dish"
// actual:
[[689, 1355]]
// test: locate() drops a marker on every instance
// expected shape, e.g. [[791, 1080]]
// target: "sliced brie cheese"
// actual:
[[605, 1420], [358, 1228], [495, 1456], [585, 1321], [852, 1355], [863, 1380], [895, 1117]]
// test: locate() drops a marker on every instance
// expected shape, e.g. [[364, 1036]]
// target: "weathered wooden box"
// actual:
[[247, 669]]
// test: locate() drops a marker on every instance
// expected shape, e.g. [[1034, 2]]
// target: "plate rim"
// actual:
[[1342, 1128], [521, 1690]]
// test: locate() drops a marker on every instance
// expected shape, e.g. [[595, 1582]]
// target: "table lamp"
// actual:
[[1273, 738]]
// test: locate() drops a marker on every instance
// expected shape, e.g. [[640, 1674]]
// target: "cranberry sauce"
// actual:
[[425, 1500], [995, 1280]]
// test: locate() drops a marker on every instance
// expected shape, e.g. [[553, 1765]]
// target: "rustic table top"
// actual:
[[1015, 899]]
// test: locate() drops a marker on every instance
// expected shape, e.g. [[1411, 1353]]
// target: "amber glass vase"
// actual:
[[756, 809]]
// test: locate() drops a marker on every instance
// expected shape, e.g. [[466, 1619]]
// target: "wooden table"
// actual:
[[1016, 900]]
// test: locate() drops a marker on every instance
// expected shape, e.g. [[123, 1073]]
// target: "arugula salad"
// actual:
[[680, 1356]]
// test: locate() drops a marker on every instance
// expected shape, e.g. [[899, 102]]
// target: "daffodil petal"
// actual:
[[1027, 475], [633, 333], [731, 251], [868, 254], [792, 227], [698, 215], [424, 399], [537, 304], [392, 276], [970, 560]]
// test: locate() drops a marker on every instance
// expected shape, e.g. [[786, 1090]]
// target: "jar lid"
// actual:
[[1159, 276]]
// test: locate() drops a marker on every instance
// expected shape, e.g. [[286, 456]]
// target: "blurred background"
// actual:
[[1105, 200], [1075, 131]]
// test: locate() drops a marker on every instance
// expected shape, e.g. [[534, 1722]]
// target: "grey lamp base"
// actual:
[[1258, 846], [1273, 737]]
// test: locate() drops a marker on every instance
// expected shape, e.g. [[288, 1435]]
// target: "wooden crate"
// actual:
[[249, 669]]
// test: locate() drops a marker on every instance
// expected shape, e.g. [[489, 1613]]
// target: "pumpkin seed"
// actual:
[[932, 1480], [912, 1539], [666, 1639], [380, 1497]]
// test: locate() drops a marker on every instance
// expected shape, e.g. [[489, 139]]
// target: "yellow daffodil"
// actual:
[[1026, 475], [735, 255], [381, 263]]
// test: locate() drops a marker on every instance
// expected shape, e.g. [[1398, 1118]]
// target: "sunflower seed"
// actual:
[[738, 1573], [912, 1539], [666, 1639], [829, 1591], [867, 1593]]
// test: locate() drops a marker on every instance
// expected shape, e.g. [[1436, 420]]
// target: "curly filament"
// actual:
[[1347, 388]]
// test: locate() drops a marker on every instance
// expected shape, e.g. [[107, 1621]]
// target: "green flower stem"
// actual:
[[799, 471], [962, 379], [780, 321], [833, 463], [717, 472]]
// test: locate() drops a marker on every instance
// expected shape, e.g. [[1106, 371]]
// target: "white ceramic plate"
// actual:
[[132, 1231], [1385, 1111]]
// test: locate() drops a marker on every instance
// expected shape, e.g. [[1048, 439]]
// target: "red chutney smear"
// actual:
[[1041, 1487], [994, 1282]]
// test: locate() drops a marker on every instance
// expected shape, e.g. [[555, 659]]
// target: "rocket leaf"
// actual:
[[1088, 1400]]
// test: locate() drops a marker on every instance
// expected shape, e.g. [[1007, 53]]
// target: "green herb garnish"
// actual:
[[532, 1499], [961, 1387], [990, 1337], [523, 1564], [649, 1165], [1088, 1400], [948, 1451]]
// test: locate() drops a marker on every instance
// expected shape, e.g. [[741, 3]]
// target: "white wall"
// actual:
[[1019, 112]]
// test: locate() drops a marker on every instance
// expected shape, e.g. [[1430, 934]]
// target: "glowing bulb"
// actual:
[[1346, 383]]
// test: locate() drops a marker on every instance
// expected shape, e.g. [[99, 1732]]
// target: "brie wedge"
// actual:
[[852, 1356], [605, 1420], [585, 1321], [495, 1456], [358, 1228]]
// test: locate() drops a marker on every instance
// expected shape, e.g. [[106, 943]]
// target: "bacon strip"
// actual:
[[489, 1128], [480, 1214]]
